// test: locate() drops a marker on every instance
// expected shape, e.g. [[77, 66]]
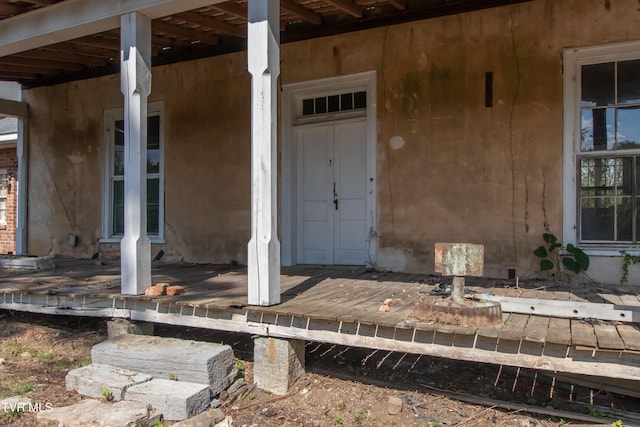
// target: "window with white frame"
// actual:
[[113, 211], [602, 99]]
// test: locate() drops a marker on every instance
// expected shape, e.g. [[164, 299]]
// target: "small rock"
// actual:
[[394, 406], [215, 403], [227, 422], [201, 420], [2, 365], [217, 415], [175, 290], [224, 395], [384, 308], [389, 302], [155, 290], [269, 411]]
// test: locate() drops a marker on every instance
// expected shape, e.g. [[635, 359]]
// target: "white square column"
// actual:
[[135, 83], [264, 66]]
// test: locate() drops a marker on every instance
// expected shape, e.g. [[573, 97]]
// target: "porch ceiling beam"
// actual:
[[213, 23], [72, 19], [347, 6], [26, 69], [9, 76], [190, 33], [100, 42], [301, 12], [233, 10], [39, 64], [398, 4], [14, 108], [59, 55], [7, 9]]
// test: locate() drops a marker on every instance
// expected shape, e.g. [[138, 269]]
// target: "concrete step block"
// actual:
[[170, 358], [92, 380], [176, 400], [95, 413]]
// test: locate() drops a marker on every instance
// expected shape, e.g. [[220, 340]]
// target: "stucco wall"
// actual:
[[449, 168]]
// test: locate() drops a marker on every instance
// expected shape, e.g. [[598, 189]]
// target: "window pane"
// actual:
[[118, 207], [598, 85], [321, 105], [346, 101], [153, 144], [624, 219], [597, 219], [307, 107], [334, 103], [360, 100], [598, 129], [118, 150], [628, 134], [629, 82], [153, 206]]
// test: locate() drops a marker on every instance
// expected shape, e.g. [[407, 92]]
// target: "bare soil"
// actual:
[[344, 386]]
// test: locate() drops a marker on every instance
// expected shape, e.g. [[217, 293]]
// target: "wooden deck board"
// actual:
[[537, 329], [630, 334], [514, 327], [608, 337], [629, 299], [559, 331], [582, 334]]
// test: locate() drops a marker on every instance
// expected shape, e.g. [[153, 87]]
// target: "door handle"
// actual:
[[335, 202], [335, 196]]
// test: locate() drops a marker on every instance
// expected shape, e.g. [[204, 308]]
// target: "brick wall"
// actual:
[[9, 162]]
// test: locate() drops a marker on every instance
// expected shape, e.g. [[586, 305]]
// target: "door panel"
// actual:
[[350, 142], [316, 244], [332, 194]]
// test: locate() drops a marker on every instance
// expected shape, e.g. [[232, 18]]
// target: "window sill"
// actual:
[[154, 240], [610, 251]]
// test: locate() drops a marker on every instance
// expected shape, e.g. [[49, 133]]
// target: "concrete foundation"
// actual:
[[94, 379], [170, 358], [278, 363], [176, 400]]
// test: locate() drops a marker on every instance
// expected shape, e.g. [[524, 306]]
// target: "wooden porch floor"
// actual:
[[585, 329]]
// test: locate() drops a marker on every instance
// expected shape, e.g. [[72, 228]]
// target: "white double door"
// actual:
[[332, 193]]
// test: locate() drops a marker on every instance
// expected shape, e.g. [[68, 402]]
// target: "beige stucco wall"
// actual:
[[449, 169]]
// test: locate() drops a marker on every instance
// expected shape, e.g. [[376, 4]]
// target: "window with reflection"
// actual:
[[154, 159], [609, 152]]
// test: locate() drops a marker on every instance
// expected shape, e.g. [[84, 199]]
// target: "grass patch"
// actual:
[[16, 389], [83, 361]]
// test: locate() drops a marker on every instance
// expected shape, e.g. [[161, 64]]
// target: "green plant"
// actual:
[[240, 368], [628, 260], [595, 412], [360, 416], [617, 423], [173, 377], [338, 419], [574, 259], [251, 397], [342, 405], [107, 395]]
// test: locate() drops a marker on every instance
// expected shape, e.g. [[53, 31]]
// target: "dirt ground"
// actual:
[[344, 386]]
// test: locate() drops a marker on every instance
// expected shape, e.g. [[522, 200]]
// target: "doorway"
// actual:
[[329, 172]]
